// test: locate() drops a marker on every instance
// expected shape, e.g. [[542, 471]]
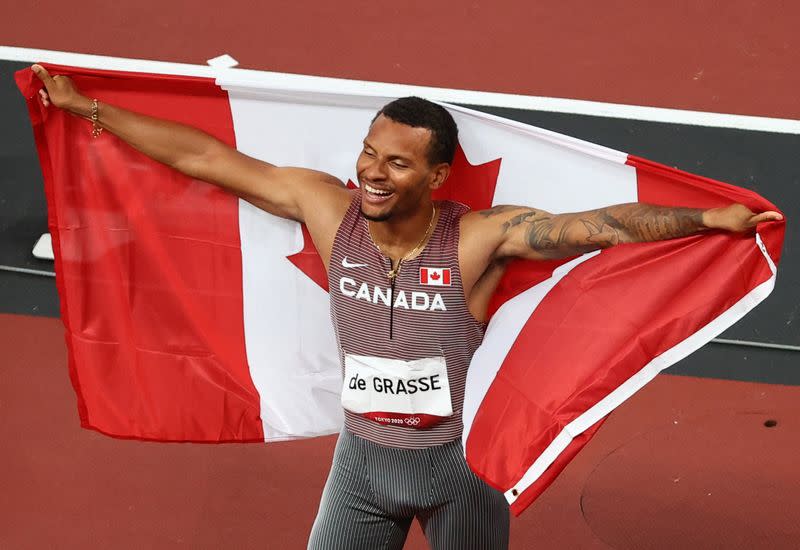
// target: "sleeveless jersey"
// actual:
[[429, 317]]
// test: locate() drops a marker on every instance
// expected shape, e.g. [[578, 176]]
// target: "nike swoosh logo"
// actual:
[[348, 265]]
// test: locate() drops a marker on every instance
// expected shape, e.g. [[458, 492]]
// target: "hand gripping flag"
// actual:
[[192, 316]]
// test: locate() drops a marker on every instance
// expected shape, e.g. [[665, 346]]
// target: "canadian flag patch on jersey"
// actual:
[[434, 276]]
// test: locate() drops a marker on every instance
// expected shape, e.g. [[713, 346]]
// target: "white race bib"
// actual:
[[395, 392]]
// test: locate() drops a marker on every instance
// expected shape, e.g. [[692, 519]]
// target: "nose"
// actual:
[[374, 170]]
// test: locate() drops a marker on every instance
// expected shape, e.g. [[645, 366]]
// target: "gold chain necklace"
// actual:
[[392, 274]]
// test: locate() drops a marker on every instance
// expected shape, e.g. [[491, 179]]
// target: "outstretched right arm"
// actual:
[[286, 192]]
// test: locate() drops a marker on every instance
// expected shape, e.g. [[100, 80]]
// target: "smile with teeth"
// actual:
[[372, 191]]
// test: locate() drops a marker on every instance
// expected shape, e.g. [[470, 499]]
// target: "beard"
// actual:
[[379, 218]]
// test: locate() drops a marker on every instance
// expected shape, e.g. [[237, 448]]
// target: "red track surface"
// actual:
[[737, 56]]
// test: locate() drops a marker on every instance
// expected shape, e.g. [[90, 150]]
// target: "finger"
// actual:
[[768, 216], [43, 75], [45, 98]]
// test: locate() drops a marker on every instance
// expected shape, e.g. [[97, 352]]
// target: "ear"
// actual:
[[439, 175]]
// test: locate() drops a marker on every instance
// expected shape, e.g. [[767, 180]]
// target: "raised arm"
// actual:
[[286, 192], [535, 234]]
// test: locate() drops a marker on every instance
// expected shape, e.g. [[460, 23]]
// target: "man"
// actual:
[[404, 349]]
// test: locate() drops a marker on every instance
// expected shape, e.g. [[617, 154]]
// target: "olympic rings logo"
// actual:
[[412, 420]]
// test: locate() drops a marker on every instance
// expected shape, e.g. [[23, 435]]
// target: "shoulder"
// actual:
[[494, 217], [327, 213], [480, 233], [325, 205], [328, 196]]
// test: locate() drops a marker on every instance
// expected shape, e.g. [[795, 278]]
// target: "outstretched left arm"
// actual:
[[536, 234]]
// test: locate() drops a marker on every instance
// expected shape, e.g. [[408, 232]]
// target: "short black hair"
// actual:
[[421, 113]]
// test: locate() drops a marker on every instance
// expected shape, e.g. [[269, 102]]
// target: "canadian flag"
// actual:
[[434, 276], [193, 316]]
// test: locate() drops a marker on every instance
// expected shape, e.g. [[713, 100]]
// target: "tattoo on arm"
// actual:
[[499, 209], [646, 222], [542, 232], [558, 236]]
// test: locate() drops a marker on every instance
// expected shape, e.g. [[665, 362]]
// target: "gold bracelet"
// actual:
[[95, 117]]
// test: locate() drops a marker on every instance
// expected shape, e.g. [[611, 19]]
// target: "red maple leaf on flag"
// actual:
[[434, 275], [469, 184]]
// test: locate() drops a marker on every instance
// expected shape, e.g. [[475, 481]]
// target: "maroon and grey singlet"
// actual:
[[399, 455], [404, 366]]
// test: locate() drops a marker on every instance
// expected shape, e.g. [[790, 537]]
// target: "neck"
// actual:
[[397, 235]]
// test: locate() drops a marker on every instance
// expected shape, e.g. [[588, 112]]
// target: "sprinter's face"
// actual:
[[394, 171]]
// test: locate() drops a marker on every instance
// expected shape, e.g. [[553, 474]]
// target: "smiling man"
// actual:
[[410, 282]]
